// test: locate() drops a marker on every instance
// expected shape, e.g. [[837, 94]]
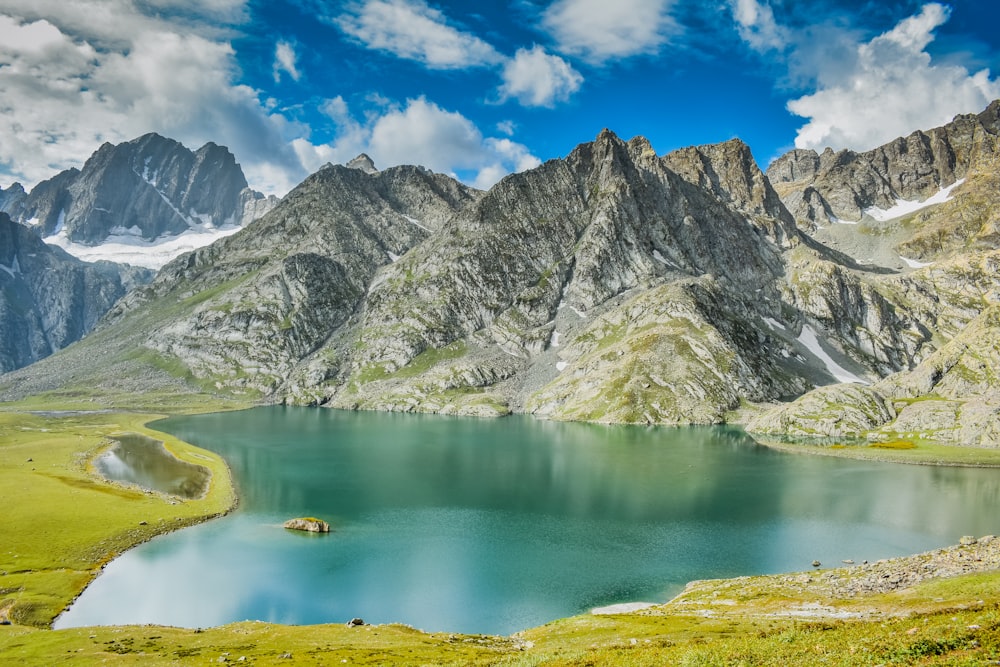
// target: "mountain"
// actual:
[[845, 186], [49, 299], [613, 285], [615, 273], [138, 193], [928, 205]]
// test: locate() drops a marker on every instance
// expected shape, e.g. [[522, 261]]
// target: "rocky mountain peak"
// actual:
[[12, 199], [364, 163], [148, 187], [601, 162], [728, 170], [795, 165], [844, 184], [989, 118]]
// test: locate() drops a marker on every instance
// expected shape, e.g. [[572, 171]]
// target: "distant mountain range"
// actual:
[[144, 194], [613, 285], [138, 203]]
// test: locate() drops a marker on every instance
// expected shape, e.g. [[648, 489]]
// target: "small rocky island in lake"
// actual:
[[308, 524]]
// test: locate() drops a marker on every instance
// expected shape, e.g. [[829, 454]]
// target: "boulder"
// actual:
[[308, 524]]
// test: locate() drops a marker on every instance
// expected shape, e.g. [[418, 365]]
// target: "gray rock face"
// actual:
[[819, 188], [12, 200], [364, 163], [953, 397], [49, 299], [729, 171], [576, 244], [292, 280], [150, 187]]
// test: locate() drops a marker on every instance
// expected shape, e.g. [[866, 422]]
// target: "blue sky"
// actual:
[[478, 89]]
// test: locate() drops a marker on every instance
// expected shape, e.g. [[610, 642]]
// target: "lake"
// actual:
[[494, 526]]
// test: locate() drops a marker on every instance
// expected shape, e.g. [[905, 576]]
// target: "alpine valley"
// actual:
[[836, 295]]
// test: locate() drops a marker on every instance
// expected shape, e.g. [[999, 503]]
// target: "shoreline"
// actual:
[[158, 530], [155, 529], [877, 455], [47, 475]]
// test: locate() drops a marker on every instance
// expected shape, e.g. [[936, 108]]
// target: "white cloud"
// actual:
[[757, 27], [535, 78], [74, 75], [598, 30], [890, 88], [284, 61], [412, 29], [420, 133]]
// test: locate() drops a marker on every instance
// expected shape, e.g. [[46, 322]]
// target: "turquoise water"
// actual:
[[493, 526]]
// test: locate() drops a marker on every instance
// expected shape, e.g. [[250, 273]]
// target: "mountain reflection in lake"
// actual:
[[493, 526]]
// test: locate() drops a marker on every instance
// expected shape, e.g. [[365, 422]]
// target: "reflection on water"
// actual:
[[136, 459], [498, 525]]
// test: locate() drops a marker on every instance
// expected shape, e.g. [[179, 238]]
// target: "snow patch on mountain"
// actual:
[[905, 206], [914, 264], [811, 342], [126, 246]]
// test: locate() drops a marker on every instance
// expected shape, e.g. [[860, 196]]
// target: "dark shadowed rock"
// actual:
[[49, 299]]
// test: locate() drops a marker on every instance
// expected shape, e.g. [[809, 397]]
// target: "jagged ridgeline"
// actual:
[[149, 187], [134, 195], [613, 285]]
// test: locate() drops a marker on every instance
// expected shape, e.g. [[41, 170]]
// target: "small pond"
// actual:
[[145, 462]]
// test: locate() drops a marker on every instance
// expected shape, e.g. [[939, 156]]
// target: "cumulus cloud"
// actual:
[[889, 88], [284, 61], [421, 133], [74, 75], [537, 79], [757, 26], [599, 31], [412, 29]]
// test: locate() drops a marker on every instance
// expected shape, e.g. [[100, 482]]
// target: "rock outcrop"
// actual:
[[308, 524], [952, 397]]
